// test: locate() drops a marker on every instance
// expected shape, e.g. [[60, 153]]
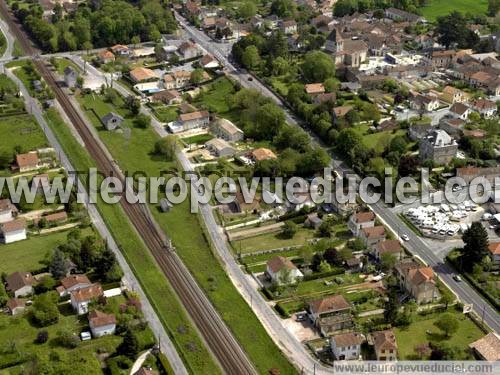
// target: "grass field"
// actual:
[[28, 255], [415, 334], [23, 133], [160, 294], [270, 241], [165, 114], [438, 8], [17, 337], [191, 244], [63, 63], [198, 139], [215, 99]]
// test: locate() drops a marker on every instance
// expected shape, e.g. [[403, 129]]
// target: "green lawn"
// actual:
[[28, 255], [23, 133], [191, 244], [274, 240], [63, 62], [415, 334], [438, 8], [17, 337], [172, 315], [198, 139], [165, 113], [215, 99], [378, 140]]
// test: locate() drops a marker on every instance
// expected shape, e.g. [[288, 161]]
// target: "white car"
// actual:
[[405, 237]]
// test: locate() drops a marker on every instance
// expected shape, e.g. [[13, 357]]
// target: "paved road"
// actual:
[[415, 245]]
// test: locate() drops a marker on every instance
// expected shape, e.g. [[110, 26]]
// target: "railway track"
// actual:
[[216, 334]]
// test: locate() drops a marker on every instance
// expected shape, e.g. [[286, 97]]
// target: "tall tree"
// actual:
[[452, 29], [448, 324], [58, 264], [318, 66], [476, 246]]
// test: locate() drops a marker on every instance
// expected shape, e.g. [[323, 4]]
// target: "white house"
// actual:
[[282, 271], [7, 210], [13, 231], [71, 283], [194, 119], [346, 346], [486, 108], [361, 220], [101, 323], [81, 298], [20, 284], [460, 111]]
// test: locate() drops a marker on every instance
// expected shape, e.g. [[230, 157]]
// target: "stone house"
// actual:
[[372, 235], [331, 314], [346, 346], [81, 298], [360, 220], [418, 281], [20, 284], [385, 345], [225, 129], [438, 146], [101, 324]]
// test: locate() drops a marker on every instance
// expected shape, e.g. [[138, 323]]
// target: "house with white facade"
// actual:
[[7, 210], [71, 283], [13, 231], [282, 271], [194, 120], [81, 298], [346, 346], [20, 284], [101, 324], [360, 220], [486, 108]]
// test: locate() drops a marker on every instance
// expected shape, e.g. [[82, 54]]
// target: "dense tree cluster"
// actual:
[[97, 23], [263, 120]]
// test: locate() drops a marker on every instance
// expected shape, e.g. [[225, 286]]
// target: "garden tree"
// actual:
[[239, 47], [197, 76], [276, 45], [136, 39], [289, 229], [5, 159], [331, 84], [58, 264], [110, 95], [476, 246], [306, 253], [279, 66], [129, 346], [324, 267], [331, 255], [44, 311], [447, 323], [67, 339], [398, 144], [3, 295], [106, 260], [422, 350], [446, 297], [283, 8], [166, 147], [115, 273], [247, 10], [316, 260], [42, 337], [142, 121], [452, 29], [269, 167], [284, 277], [317, 67], [443, 351], [89, 252], [294, 138], [352, 117], [493, 7], [47, 283], [133, 104], [313, 161], [408, 165], [344, 7], [391, 309], [387, 261], [357, 244], [269, 119], [325, 229], [251, 58]]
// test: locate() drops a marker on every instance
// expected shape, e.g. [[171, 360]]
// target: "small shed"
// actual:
[[112, 121], [165, 205]]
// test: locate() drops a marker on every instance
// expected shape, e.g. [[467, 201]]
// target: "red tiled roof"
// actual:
[[331, 303], [73, 280], [277, 263], [27, 160], [87, 293], [100, 319]]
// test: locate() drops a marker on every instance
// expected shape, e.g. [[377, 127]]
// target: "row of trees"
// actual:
[[97, 24]]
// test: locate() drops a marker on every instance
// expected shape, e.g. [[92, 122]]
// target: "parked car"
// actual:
[[405, 237]]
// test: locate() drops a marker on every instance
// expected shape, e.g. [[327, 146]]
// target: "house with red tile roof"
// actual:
[[281, 271], [81, 298], [360, 220], [20, 284], [101, 324], [73, 282], [372, 235], [392, 247], [27, 162], [494, 251], [385, 345], [331, 314], [419, 281]]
